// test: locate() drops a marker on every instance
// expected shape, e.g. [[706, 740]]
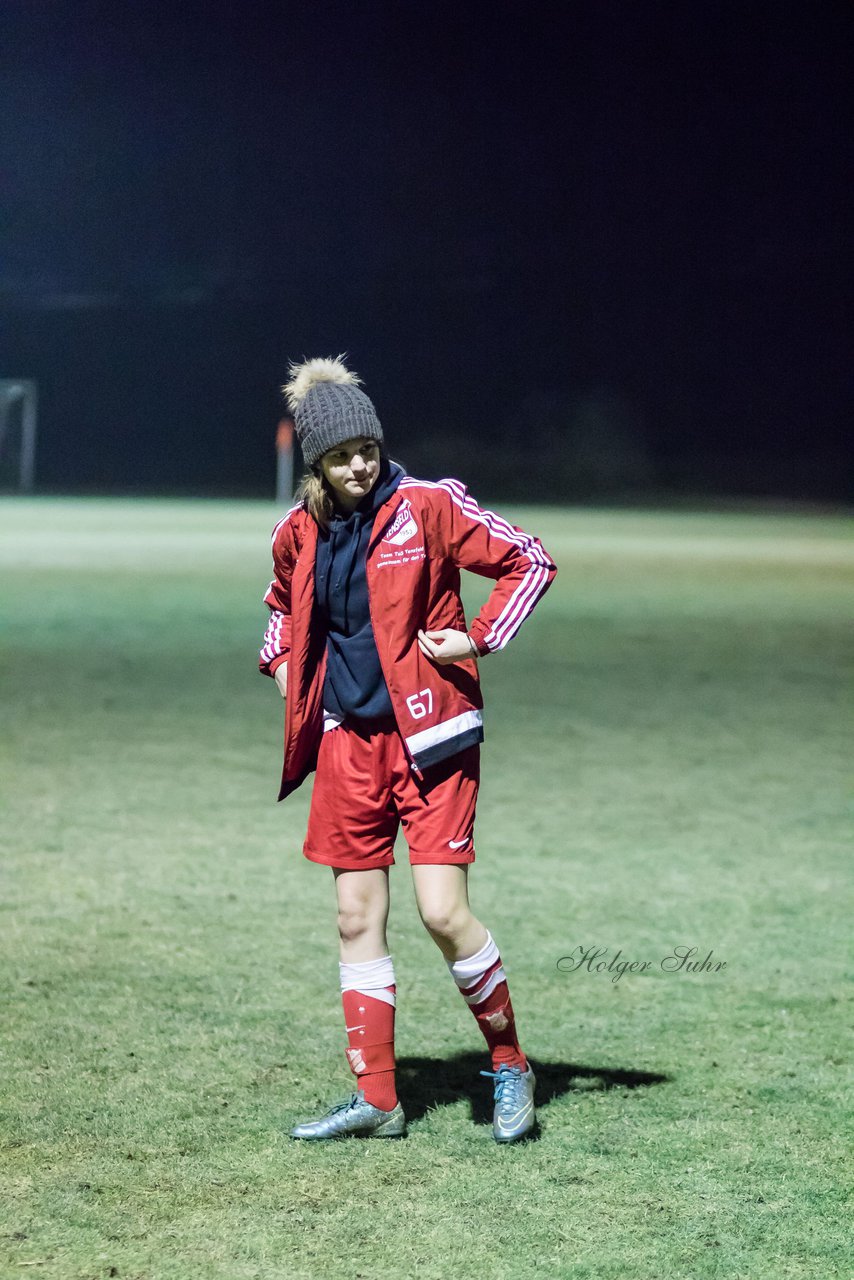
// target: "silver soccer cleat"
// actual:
[[354, 1117], [514, 1116]]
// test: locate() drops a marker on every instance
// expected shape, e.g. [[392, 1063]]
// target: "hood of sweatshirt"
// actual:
[[347, 539], [354, 684]]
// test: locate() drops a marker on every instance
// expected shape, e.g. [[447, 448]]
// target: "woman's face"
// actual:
[[351, 469]]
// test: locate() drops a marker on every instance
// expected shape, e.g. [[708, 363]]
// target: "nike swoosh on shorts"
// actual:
[[457, 844]]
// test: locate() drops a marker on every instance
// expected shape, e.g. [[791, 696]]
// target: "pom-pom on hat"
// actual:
[[328, 407]]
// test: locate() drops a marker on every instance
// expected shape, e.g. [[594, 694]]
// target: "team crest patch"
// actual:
[[403, 526]]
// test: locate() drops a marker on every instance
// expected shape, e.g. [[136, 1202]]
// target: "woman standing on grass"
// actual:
[[367, 641]]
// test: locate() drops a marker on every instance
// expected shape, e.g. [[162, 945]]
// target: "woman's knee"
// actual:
[[356, 920], [445, 920], [362, 904]]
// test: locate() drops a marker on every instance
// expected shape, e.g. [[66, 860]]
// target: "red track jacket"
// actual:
[[421, 539]]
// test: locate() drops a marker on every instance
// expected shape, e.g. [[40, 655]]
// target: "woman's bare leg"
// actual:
[[441, 893], [471, 955], [368, 989], [363, 903]]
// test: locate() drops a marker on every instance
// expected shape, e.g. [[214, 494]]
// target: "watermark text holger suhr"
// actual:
[[679, 960]]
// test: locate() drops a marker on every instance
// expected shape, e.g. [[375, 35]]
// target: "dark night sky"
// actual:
[[529, 225]]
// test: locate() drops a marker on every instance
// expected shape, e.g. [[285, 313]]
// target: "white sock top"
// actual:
[[472, 966], [368, 975]]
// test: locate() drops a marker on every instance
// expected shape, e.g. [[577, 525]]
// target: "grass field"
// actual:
[[666, 764]]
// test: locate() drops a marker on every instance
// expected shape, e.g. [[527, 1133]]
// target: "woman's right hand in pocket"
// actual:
[[280, 675]]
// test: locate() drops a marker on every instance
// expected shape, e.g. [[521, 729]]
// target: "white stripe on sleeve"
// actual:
[[526, 594]]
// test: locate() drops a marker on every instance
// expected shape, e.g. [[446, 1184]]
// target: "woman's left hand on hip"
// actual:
[[445, 647]]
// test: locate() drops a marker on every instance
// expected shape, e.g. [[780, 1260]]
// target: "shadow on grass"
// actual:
[[427, 1083]]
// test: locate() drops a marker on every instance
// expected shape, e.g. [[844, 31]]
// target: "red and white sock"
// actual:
[[369, 994], [483, 985]]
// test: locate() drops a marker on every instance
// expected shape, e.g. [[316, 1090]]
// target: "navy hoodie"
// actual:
[[355, 685]]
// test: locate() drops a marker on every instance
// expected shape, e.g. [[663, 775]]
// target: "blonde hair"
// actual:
[[313, 493]]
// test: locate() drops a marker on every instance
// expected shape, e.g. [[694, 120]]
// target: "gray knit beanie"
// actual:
[[328, 406]]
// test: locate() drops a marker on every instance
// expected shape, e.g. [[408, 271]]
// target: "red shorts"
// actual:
[[364, 789]]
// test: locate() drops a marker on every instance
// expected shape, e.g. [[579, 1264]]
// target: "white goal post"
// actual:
[[19, 398]]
